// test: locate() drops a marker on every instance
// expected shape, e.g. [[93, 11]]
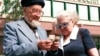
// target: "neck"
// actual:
[[66, 37]]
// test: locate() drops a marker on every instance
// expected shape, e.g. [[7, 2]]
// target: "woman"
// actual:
[[74, 41]]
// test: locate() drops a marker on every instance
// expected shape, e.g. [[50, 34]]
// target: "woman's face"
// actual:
[[65, 25], [33, 12]]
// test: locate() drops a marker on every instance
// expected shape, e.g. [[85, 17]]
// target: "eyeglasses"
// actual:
[[35, 11], [59, 26]]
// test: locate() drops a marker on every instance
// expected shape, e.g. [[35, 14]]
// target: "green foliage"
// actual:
[[12, 8]]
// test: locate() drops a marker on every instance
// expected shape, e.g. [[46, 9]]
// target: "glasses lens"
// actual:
[[59, 26], [65, 24]]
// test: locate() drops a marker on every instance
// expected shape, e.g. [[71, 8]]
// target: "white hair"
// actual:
[[71, 14]]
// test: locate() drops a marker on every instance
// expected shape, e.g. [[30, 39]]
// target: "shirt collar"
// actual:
[[72, 36], [74, 33]]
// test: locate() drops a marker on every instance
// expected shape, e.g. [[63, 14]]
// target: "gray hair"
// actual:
[[71, 14]]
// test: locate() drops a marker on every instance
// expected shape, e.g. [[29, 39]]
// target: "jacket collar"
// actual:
[[23, 27]]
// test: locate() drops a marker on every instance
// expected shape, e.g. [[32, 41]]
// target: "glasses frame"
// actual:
[[59, 26], [36, 11]]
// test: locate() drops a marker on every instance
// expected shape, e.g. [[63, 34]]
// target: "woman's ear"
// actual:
[[71, 21]]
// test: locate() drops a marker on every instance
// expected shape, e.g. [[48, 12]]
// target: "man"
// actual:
[[25, 37]]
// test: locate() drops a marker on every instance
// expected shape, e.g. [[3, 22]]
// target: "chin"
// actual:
[[66, 33], [35, 23]]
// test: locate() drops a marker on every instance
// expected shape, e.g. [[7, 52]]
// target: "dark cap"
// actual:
[[27, 3]]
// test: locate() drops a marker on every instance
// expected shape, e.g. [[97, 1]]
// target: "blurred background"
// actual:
[[88, 10]]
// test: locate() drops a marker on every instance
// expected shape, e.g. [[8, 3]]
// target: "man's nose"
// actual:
[[62, 27]]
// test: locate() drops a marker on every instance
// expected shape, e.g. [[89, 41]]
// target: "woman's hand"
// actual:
[[55, 46]]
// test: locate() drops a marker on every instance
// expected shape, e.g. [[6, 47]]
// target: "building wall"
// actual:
[[94, 30]]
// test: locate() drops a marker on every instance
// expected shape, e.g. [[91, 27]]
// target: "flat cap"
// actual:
[[27, 3]]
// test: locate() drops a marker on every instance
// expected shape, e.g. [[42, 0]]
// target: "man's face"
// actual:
[[33, 12]]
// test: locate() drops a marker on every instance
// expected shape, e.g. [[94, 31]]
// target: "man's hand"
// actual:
[[55, 40], [44, 44]]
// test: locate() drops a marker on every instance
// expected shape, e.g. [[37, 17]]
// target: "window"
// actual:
[[47, 9], [83, 13], [94, 13], [57, 7], [71, 7]]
